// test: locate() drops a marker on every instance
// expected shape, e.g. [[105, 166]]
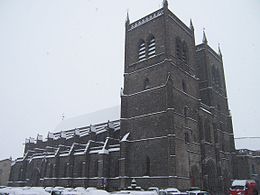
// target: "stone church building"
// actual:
[[175, 128]]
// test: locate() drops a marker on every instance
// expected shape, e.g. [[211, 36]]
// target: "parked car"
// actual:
[[246, 187], [156, 189], [198, 192], [133, 192], [171, 191], [57, 190]]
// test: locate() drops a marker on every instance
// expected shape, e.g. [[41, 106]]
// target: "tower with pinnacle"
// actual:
[[174, 110]]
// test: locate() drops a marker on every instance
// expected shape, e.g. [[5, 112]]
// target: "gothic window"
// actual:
[[215, 132], [200, 126], [223, 143], [81, 169], [253, 169], [218, 80], [20, 176], [117, 168], [51, 170], [184, 87], [195, 176], [66, 169], [186, 138], [207, 131], [211, 171], [147, 166], [43, 167], [213, 73], [184, 52], [185, 111], [178, 48], [96, 169], [151, 47], [141, 51], [146, 83]]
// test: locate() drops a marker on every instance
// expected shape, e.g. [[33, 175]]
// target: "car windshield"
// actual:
[[237, 187]]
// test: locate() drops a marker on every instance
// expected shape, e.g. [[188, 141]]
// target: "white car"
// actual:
[[171, 191], [198, 192], [132, 192]]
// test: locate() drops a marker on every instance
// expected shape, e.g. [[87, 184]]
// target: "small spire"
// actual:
[[204, 40], [127, 21], [62, 116], [219, 51], [165, 3], [191, 25]]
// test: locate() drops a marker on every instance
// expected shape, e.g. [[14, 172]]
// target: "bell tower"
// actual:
[[159, 103]]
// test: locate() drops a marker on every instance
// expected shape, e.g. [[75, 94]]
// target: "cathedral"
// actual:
[[174, 129]]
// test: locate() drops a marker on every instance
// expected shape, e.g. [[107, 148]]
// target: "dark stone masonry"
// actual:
[[175, 128]]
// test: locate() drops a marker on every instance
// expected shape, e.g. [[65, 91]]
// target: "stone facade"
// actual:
[[175, 128], [247, 165], [5, 167]]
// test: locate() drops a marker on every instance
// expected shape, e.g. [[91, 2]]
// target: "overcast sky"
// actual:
[[66, 56]]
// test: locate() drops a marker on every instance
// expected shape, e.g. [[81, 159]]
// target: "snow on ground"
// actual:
[[82, 191]]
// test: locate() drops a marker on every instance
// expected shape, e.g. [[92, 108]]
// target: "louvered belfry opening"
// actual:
[[141, 54], [151, 47]]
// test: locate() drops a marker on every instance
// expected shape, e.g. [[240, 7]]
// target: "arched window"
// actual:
[[184, 87], [141, 50], [253, 169], [96, 169], [215, 132], [146, 83], [50, 170], [200, 126], [213, 73], [81, 169], [207, 130], [184, 52], [117, 168], [151, 47], [147, 166], [212, 175], [223, 142], [66, 169], [20, 176], [195, 176], [178, 48], [185, 111], [186, 138], [218, 80]]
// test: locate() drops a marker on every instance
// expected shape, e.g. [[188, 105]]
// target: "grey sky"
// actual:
[[66, 56]]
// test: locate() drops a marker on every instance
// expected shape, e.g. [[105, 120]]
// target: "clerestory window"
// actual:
[[178, 48], [186, 138], [146, 83], [184, 52]]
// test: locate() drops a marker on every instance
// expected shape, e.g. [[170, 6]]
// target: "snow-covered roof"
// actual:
[[112, 114]]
